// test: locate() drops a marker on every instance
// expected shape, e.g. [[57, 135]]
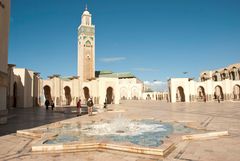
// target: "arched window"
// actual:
[[88, 43]]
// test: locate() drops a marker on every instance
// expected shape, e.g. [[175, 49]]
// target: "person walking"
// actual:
[[90, 106], [105, 103], [79, 110]]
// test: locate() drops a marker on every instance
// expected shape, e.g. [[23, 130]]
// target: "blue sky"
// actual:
[[154, 39]]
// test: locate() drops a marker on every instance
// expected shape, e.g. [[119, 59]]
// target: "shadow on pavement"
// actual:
[[25, 118]]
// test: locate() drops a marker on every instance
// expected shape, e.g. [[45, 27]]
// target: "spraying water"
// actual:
[[122, 126]]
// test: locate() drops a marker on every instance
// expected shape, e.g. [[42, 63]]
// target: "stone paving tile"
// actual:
[[214, 116], [219, 150]]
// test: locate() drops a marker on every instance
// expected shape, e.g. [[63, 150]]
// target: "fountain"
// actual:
[[140, 136]]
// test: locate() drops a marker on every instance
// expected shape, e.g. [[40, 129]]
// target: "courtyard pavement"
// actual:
[[213, 116], [25, 118]]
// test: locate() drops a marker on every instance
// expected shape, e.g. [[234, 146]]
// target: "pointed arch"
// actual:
[[109, 95], [218, 93], [88, 43], [47, 92], [180, 95], [68, 96], [201, 93], [86, 93], [236, 92], [134, 93]]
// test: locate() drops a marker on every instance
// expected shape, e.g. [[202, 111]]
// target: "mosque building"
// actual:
[[20, 87], [100, 85], [217, 85]]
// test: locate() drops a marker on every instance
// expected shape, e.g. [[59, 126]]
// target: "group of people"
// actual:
[[89, 105], [79, 106], [49, 103]]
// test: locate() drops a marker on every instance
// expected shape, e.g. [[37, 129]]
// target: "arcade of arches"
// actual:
[[218, 94], [231, 73]]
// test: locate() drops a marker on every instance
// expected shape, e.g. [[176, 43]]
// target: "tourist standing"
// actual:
[[52, 105], [47, 104], [79, 110], [105, 103], [90, 106]]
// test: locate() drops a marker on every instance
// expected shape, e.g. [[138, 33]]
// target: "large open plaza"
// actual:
[[214, 117], [119, 80]]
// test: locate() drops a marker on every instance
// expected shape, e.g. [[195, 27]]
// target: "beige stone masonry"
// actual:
[[205, 135]]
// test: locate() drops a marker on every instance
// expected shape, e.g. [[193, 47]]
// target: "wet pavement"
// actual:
[[25, 118]]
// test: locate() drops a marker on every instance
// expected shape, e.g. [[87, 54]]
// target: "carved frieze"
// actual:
[[87, 30]]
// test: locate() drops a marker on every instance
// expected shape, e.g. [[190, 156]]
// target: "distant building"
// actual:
[[221, 84], [155, 96]]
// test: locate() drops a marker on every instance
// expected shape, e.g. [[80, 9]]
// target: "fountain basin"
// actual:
[[150, 137], [161, 151]]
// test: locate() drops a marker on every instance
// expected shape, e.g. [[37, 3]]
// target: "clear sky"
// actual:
[[154, 39]]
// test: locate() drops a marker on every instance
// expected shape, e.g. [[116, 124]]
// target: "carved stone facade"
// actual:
[[86, 48]]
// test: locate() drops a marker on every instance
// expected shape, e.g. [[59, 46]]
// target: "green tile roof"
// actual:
[[117, 75], [105, 72]]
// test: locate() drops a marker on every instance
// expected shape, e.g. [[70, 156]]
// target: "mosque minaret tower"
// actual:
[[86, 47]]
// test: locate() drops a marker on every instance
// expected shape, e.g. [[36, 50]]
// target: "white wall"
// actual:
[[184, 83]]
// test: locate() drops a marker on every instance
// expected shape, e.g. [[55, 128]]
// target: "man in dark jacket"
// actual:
[[47, 104]]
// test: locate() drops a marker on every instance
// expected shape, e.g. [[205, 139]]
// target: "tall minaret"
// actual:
[[86, 47]]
